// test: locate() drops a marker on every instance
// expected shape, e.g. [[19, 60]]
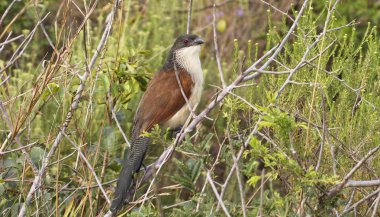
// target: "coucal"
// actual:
[[174, 89]]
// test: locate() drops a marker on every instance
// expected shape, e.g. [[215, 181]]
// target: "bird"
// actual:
[[172, 92]]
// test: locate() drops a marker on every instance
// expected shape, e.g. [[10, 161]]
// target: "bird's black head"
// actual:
[[188, 44], [186, 40]]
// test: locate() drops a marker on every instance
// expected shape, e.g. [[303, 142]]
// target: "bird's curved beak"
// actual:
[[198, 41]]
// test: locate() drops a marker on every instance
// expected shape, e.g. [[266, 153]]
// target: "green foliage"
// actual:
[[189, 174]]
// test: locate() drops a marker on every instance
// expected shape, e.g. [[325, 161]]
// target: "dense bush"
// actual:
[[281, 144]]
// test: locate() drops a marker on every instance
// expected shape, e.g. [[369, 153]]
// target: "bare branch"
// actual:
[[11, 40], [362, 183], [241, 188], [239, 155]]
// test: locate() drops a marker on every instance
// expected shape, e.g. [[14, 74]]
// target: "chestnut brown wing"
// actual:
[[162, 99]]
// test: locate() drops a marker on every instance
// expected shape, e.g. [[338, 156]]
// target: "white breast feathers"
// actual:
[[188, 58]]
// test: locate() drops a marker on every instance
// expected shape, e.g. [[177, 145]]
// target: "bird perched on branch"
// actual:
[[171, 94]]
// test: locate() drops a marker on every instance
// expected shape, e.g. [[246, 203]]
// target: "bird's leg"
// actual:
[[175, 131]]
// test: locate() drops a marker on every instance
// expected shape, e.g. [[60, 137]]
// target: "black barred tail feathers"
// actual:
[[131, 165]]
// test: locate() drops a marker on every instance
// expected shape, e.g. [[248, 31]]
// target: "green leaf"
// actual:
[[195, 170], [266, 124], [186, 183], [253, 180]]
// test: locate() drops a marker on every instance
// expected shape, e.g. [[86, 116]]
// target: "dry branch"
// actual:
[[362, 183]]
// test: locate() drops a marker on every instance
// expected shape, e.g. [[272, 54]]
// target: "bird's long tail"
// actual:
[[131, 165]]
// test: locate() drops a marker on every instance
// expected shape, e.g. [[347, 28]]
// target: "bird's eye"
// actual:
[[185, 41]]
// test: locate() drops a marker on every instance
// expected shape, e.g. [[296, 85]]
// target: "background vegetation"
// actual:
[[300, 139]]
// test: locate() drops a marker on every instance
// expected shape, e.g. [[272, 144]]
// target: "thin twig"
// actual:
[[191, 110], [206, 7], [330, 12], [11, 40], [115, 117], [190, 8], [2, 47], [237, 170], [217, 194], [89, 187], [350, 200], [217, 49], [18, 149], [239, 155]]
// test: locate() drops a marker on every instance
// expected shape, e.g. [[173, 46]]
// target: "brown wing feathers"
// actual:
[[162, 99]]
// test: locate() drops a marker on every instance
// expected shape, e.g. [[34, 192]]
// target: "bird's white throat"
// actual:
[[188, 58]]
